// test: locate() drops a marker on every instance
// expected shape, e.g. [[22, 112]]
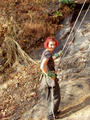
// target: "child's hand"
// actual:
[[61, 53]]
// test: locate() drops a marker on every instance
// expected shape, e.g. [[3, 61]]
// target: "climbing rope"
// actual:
[[78, 27], [73, 29], [74, 25]]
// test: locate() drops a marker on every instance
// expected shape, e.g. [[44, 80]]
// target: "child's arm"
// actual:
[[57, 55]]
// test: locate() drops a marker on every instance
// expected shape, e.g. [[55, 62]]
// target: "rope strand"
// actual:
[[74, 25], [73, 29], [78, 28]]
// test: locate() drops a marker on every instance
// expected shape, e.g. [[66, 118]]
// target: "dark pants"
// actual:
[[52, 91]]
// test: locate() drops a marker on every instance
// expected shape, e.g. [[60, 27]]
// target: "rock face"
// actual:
[[74, 79], [75, 76], [84, 113]]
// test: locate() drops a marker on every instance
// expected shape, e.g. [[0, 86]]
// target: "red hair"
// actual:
[[50, 39]]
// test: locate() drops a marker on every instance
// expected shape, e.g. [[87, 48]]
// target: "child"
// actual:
[[49, 79]]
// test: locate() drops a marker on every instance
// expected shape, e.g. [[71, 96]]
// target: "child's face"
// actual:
[[51, 45]]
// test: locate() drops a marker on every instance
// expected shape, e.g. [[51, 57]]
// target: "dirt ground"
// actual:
[[15, 92]]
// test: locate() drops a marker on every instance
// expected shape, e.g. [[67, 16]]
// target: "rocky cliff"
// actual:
[[75, 76]]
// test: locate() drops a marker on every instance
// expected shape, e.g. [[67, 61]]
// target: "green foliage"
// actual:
[[73, 6], [65, 1], [57, 13]]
